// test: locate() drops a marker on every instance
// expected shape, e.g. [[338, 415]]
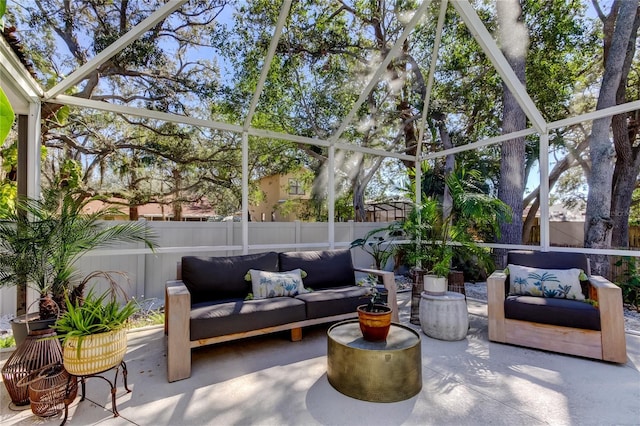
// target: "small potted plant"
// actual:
[[94, 331], [374, 317]]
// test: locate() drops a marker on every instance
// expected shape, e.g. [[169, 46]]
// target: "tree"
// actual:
[[514, 40], [598, 221]]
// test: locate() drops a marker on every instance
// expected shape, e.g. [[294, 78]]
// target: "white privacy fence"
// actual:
[[148, 272]]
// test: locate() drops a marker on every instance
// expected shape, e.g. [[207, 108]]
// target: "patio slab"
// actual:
[[269, 380]]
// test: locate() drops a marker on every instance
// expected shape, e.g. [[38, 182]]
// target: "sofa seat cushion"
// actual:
[[324, 268], [212, 319], [219, 278], [333, 301], [559, 312]]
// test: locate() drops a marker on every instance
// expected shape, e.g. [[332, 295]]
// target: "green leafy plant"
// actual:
[[630, 282], [7, 342], [437, 235], [379, 243], [373, 295], [42, 240], [95, 314]]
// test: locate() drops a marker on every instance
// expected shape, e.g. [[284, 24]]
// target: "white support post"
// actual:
[[245, 193], [33, 151], [331, 197], [543, 159]]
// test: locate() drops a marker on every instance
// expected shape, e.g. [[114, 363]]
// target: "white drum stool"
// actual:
[[444, 317]]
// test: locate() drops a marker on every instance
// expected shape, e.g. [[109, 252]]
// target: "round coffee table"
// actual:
[[387, 371]]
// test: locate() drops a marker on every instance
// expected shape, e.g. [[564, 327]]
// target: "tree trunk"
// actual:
[[627, 154], [598, 222], [515, 40]]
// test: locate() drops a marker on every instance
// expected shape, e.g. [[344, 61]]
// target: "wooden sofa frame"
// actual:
[[178, 307], [608, 344]]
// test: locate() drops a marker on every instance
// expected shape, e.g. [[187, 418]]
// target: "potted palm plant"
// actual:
[[438, 234], [42, 240]]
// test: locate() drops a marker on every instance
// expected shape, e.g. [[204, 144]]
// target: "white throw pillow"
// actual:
[[558, 283], [276, 284]]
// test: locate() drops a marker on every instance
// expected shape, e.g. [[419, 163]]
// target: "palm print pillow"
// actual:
[[558, 283]]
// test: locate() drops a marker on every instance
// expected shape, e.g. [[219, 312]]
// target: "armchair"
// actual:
[[567, 326]]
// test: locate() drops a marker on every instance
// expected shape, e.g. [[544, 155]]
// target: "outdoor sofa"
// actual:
[[213, 300], [550, 301]]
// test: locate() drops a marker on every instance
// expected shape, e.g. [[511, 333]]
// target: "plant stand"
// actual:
[[99, 375], [417, 287]]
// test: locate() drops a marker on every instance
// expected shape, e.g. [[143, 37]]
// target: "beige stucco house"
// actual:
[[285, 197]]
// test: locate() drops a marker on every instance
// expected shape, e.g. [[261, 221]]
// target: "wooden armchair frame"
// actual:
[[608, 344]]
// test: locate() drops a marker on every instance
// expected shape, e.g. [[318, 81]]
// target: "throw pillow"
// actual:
[[557, 283], [276, 284]]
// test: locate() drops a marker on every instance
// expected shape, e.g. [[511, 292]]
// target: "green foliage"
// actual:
[[7, 342], [7, 116], [437, 236], [96, 314], [42, 240], [379, 243], [630, 281]]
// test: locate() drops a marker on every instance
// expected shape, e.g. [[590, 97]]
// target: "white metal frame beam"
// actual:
[[382, 68], [491, 49], [111, 50]]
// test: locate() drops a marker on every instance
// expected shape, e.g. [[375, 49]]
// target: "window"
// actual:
[[295, 187]]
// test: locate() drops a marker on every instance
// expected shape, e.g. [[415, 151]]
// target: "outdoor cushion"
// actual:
[[265, 284], [552, 311], [550, 260], [236, 316], [326, 268], [217, 278], [334, 301], [558, 283]]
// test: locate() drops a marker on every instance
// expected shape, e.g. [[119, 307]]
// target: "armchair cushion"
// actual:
[[558, 312], [555, 283]]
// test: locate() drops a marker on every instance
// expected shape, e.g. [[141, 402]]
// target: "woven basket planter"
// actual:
[[98, 352]]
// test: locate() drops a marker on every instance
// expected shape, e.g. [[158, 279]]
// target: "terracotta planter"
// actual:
[[374, 325]]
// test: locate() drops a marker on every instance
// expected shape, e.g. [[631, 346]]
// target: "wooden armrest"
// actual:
[[495, 305], [389, 282], [609, 297], [176, 314]]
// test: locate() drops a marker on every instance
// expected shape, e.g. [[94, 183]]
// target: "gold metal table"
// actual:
[[387, 371]]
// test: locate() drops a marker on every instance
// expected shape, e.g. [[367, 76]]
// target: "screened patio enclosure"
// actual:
[[278, 59]]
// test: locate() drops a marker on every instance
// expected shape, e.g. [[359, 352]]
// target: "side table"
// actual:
[[99, 375], [386, 371], [444, 317]]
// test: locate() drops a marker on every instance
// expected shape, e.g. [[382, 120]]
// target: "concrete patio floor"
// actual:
[[269, 380]]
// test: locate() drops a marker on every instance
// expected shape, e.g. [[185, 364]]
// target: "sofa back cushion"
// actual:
[[216, 278], [549, 260], [324, 268]]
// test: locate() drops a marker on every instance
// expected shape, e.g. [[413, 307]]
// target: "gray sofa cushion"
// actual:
[[324, 268], [236, 316], [547, 310], [218, 278], [333, 301]]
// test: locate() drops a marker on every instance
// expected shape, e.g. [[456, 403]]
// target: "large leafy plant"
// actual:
[[438, 235], [42, 240], [379, 243]]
